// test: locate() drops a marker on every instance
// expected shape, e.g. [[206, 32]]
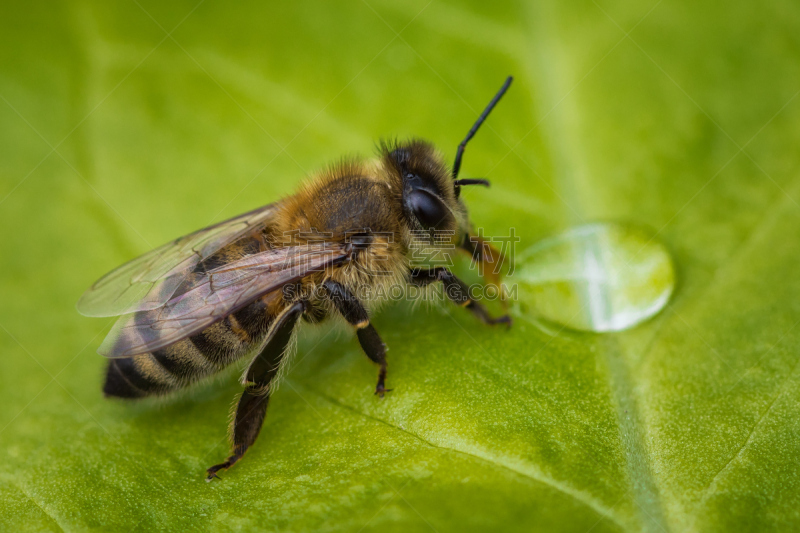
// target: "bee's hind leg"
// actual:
[[252, 407], [356, 315]]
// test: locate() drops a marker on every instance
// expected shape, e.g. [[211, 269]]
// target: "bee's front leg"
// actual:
[[456, 290], [252, 406], [356, 315]]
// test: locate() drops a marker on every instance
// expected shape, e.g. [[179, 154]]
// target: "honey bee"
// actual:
[[197, 304]]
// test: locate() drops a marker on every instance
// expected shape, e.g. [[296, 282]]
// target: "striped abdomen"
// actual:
[[201, 355], [190, 359]]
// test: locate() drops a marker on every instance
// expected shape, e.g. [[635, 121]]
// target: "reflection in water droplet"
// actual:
[[596, 277]]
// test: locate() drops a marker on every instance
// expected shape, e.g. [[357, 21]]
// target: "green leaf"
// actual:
[[125, 125]]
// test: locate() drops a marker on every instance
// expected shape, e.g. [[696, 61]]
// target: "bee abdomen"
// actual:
[[138, 376], [188, 360], [163, 371]]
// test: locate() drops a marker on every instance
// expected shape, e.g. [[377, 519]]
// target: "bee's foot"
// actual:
[[212, 472], [380, 390], [505, 319]]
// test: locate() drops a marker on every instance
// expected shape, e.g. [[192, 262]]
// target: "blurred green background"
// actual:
[[126, 124]]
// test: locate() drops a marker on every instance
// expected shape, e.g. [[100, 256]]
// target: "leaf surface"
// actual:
[[123, 126]]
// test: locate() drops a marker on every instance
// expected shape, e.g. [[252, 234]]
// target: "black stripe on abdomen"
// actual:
[[136, 377], [253, 319], [208, 347], [219, 343], [181, 368], [118, 384]]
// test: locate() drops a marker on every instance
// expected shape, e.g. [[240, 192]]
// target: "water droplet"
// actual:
[[595, 277]]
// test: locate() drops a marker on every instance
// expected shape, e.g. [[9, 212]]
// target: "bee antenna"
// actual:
[[472, 181], [471, 134]]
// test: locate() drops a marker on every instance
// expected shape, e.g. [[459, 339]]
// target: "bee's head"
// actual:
[[424, 188], [427, 190]]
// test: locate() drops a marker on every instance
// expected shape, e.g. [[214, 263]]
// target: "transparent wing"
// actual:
[[215, 295], [150, 280]]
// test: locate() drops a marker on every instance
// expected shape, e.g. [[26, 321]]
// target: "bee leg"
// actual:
[[252, 407], [356, 315], [456, 290], [373, 346]]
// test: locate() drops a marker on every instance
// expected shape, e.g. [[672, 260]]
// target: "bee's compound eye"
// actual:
[[429, 210]]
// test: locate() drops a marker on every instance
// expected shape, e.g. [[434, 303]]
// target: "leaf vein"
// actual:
[[577, 495], [40, 507], [706, 493]]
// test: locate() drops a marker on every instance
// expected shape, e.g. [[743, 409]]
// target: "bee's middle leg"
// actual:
[[356, 315], [252, 407]]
